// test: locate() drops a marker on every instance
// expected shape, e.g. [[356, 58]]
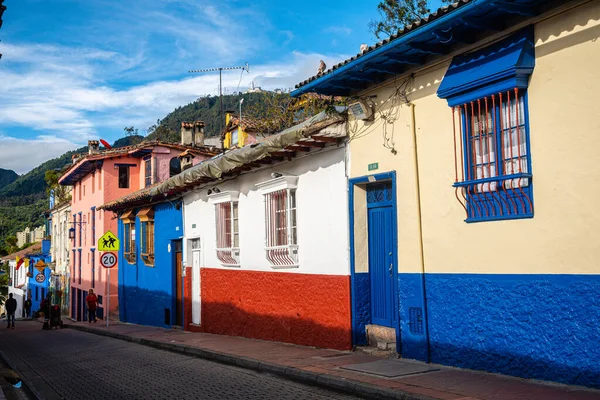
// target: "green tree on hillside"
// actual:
[[394, 15], [61, 193]]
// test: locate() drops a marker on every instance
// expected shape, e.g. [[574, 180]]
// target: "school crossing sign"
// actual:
[[108, 242]]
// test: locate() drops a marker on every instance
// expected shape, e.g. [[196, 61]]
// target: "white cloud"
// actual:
[[133, 73], [22, 155], [338, 30]]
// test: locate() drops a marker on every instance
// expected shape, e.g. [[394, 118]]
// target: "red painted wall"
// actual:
[[187, 298], [310, 310]]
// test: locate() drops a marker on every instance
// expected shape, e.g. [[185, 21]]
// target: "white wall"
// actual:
[[322, 213], [61, 245], [18, 277]]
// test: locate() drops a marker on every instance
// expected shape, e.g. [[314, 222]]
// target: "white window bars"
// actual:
[[282, 239], [227, 227]]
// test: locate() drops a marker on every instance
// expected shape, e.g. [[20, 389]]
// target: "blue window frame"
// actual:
[[93, 222], [74, 266], [93, 268], [80, 227], [79, 269], [74, 230], [487, 91]]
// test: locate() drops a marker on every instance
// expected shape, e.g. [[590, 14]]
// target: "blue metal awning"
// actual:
[[503, 66], [464, 22]]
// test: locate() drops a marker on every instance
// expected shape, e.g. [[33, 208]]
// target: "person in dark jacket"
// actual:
[[11, 307]]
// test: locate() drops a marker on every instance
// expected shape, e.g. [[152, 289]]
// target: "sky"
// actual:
[[75, 70]]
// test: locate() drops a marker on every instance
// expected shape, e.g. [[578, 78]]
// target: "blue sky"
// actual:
[[74, 70]]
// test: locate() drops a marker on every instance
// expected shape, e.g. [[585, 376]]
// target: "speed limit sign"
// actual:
[[108, 260]]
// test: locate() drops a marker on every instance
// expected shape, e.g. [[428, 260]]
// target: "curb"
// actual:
[[331, 382]]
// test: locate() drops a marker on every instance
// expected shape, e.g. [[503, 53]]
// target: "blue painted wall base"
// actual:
[[531, 326], [361, 302]]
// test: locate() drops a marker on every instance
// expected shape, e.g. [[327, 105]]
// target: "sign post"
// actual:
[[108, 242]]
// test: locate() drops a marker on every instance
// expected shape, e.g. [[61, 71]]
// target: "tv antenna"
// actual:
[[221, 69]]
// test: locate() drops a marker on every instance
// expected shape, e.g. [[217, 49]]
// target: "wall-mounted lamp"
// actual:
[[276, 175], [72, 233]]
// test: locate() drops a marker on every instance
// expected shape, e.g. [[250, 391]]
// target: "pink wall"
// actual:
[[105, 188], [94, 190]]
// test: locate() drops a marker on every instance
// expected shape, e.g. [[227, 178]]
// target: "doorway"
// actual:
[[178, 258], [194, 245], [382, 254]]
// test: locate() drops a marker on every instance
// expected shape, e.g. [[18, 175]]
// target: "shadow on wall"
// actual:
[[582, 17], [532, 326], [305, 309], [227, 319], [145, 307]]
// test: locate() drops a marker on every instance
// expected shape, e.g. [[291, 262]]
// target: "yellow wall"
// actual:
[[563, 236]]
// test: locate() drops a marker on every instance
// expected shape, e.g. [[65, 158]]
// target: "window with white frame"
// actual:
[[281, 244], [227, 227]]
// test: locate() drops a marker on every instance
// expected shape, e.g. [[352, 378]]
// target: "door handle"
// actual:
[[391, 270]]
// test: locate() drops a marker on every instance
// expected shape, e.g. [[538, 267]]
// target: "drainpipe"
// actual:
[[420, 221]]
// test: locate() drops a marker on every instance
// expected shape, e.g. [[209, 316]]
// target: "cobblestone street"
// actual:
[[76, 365]]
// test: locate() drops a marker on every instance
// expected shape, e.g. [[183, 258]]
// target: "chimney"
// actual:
[[75, 158], [93, 146], [199, 133], [186, 159], [187, 133], [228, 117]]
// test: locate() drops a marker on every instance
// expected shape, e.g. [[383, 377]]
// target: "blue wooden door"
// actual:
[[382, 269]]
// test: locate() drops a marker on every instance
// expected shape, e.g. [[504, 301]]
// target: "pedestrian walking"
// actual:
[[28, 308], [92, 303], [11, 307]]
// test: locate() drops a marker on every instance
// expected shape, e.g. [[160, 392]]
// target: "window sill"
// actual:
[[283, 257], [148, 260], [493, 179], [498, 218]]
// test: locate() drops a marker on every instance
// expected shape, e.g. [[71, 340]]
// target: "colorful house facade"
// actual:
[[97, 178], [264, 241], [471, 222], [60, 253], [18, 279]]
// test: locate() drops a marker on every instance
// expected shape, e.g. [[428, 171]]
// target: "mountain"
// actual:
[[7, 177], [23, 199], [207, 109]]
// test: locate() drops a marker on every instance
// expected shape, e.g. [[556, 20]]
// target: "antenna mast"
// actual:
[[220, 69]]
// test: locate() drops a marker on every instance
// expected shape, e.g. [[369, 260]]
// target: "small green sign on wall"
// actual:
[[373, 166]]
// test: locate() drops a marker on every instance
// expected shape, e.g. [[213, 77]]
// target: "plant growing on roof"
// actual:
[[396, 14]]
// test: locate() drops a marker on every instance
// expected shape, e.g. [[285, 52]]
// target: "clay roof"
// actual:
[[281, 147], [89, 162], [35, 248]]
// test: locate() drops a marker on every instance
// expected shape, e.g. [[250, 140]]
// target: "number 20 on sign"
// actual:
[[108, 260]]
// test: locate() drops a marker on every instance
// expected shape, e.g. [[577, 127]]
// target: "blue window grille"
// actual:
[[93, 267], [487, 91]]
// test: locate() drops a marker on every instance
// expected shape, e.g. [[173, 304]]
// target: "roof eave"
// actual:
[[412, 34]]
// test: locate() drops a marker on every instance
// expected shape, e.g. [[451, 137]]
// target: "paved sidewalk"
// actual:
[[325, 367]]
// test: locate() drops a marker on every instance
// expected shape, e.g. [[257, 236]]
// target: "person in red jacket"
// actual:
[[92, 303]]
